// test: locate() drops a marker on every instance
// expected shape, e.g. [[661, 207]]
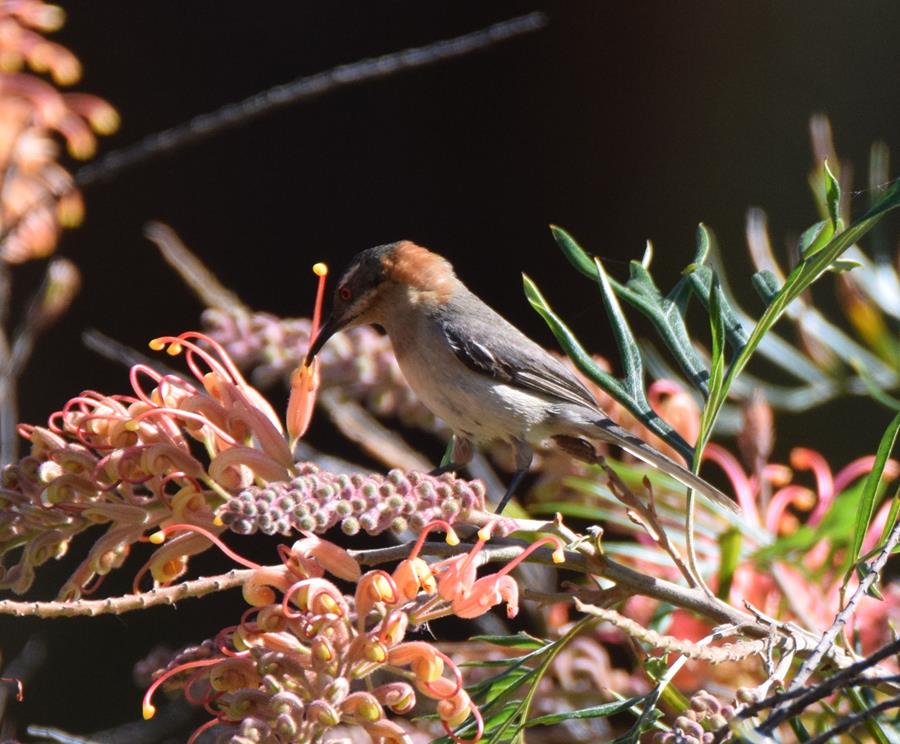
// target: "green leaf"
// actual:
[[519, 640], [815, 238], [628, 348], [867, 502], [799, 280], [832, 197], [766, 285], [575, 254], [891, 517], [842, 265], [729, 556], [717, 362], [570, 344], [641, 293], [596, 711]]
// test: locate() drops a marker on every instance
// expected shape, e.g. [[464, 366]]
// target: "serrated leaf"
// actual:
[[628, 348], [616, 389]]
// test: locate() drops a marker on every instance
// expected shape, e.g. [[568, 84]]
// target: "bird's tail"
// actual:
[[609, 431]]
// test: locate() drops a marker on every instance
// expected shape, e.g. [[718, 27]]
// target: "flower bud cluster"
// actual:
[[39, 195], [315, 500], [360, 361], [698, 724]]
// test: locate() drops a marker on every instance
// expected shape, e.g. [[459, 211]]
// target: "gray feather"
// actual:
[[489, 344]]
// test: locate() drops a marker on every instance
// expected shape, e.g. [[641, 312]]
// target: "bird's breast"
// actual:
[[472, 404]]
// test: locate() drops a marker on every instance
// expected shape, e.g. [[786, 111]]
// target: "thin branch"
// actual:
[[849, 722], [827, 641], [191, 269], [804, 697], [713, 654], [281, 96], [129, 602]]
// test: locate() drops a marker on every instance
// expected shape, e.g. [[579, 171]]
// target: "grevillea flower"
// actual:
[[39, 195], [301, 661]]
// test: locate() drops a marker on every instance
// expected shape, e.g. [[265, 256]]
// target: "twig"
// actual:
[[804, 697], [827, 641], [713, 654], [48, 733], [191, 269], [129, 602], [850, 721], [303, 88]]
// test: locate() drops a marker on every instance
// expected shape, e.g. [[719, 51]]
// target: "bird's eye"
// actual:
[[345, 293]]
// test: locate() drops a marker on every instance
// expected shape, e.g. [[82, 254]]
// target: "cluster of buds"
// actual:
[[305, 658], [700, 722], [39, 196], [316, 500]]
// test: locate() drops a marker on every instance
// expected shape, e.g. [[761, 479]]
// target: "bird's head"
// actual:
[[384, 280]]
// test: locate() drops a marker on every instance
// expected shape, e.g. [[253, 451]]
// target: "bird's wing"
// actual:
[[487, 343]]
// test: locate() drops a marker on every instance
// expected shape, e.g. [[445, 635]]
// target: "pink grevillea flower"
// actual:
[[305, 379], [300, 662], [128, 461], [39, 195]]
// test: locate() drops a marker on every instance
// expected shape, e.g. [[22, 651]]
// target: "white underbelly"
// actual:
[[471, 404]]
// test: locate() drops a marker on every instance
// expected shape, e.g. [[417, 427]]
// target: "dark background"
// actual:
[[619, 121]]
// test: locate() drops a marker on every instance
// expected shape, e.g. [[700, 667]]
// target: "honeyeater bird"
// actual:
[[472, 368]]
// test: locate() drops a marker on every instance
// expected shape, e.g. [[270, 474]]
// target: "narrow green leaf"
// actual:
[[570, 344], [519, 640], [867, 502], [803, 275], [729, 556], [832, 197], [596, 711], [815, 238], [891, 517], [575, 254], [628, 348], [717, 362]]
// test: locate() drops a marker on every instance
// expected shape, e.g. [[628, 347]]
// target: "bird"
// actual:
[[475, 370]]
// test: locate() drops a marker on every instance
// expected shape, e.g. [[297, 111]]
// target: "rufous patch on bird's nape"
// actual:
[[413, 266]]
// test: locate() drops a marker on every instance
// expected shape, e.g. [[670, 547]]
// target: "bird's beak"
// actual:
[[332, 326]]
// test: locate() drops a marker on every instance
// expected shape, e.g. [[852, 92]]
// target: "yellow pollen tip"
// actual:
[[132, 425], [157, 344], [559, 556], [174, 349], [320, 269], [157, 538], [484, 533], [452, 538], [148, 711], [217, 521]]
